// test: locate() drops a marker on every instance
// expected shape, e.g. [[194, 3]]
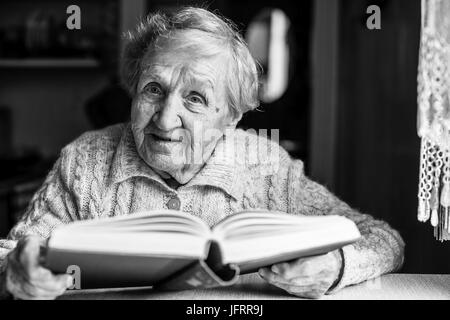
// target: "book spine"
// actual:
[[198, 275]]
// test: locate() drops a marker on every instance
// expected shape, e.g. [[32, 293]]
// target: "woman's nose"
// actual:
[[167, 118]]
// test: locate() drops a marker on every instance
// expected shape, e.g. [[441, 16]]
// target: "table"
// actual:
[[387, 287]]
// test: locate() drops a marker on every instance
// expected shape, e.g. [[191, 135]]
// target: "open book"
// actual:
[[175, 250]]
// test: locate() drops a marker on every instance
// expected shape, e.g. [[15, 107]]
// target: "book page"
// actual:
[[263, 237], [164, 233]]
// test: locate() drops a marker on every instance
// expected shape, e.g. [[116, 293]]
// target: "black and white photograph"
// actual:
[[241, 151]]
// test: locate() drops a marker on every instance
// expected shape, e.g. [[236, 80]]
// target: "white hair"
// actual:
[[242, 80]]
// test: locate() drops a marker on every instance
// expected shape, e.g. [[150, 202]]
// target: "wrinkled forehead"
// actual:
[[182, 72], [191, 54]]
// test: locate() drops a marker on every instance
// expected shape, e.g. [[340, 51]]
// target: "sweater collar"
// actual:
[[220, 171]]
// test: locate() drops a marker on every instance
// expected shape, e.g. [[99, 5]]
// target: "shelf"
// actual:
[[50, 63]]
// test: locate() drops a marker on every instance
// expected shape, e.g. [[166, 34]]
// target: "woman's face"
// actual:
[[179, 111]]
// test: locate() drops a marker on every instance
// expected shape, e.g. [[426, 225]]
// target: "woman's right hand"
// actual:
[[26, 278]]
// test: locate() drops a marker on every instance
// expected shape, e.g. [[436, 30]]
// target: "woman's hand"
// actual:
[[305, 277], [27, 279]]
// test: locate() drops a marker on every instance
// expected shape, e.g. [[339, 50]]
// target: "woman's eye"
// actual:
[[154, 89], [196, 98]]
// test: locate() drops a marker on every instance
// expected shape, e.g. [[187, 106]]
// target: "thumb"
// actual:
[[65, 280], [29, 251]]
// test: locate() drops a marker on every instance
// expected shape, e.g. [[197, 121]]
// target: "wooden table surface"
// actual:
[[388, 287]]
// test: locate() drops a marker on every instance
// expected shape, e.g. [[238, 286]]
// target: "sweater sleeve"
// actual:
[[380, 249], [49, 207]]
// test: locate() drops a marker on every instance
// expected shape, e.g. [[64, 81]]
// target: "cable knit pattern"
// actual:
[[100, 174]]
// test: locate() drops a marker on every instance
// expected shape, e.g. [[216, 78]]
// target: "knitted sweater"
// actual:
[[100, 174]]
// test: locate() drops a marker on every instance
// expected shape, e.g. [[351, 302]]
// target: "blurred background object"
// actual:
[[48, 74], [109, 106], [343, 96], [5, 131], [268, 41], [37, 35]]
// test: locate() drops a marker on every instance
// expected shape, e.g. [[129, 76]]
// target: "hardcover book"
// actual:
[[172, 250]]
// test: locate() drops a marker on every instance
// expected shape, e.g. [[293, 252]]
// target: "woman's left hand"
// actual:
[[309, 277]]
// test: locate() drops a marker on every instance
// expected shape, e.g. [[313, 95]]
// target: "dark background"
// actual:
[[374, 150]]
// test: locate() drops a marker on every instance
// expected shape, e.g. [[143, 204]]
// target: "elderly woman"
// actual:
[[192, 78]]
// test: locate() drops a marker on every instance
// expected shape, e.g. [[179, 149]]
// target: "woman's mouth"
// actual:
[[162, 138]]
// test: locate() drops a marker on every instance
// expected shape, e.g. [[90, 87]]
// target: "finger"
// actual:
[[65, 280], [30, 290], [21, 288], [29, 253], [27, 291], [289, 271], [280, 268], [303, 267], [36, 274], [39, 282], [53, 283], [309, 291], [276, 279], [37, 293], [297, 268], [271, 277]]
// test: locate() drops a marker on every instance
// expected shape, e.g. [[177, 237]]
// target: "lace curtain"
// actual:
[[434, 117]]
